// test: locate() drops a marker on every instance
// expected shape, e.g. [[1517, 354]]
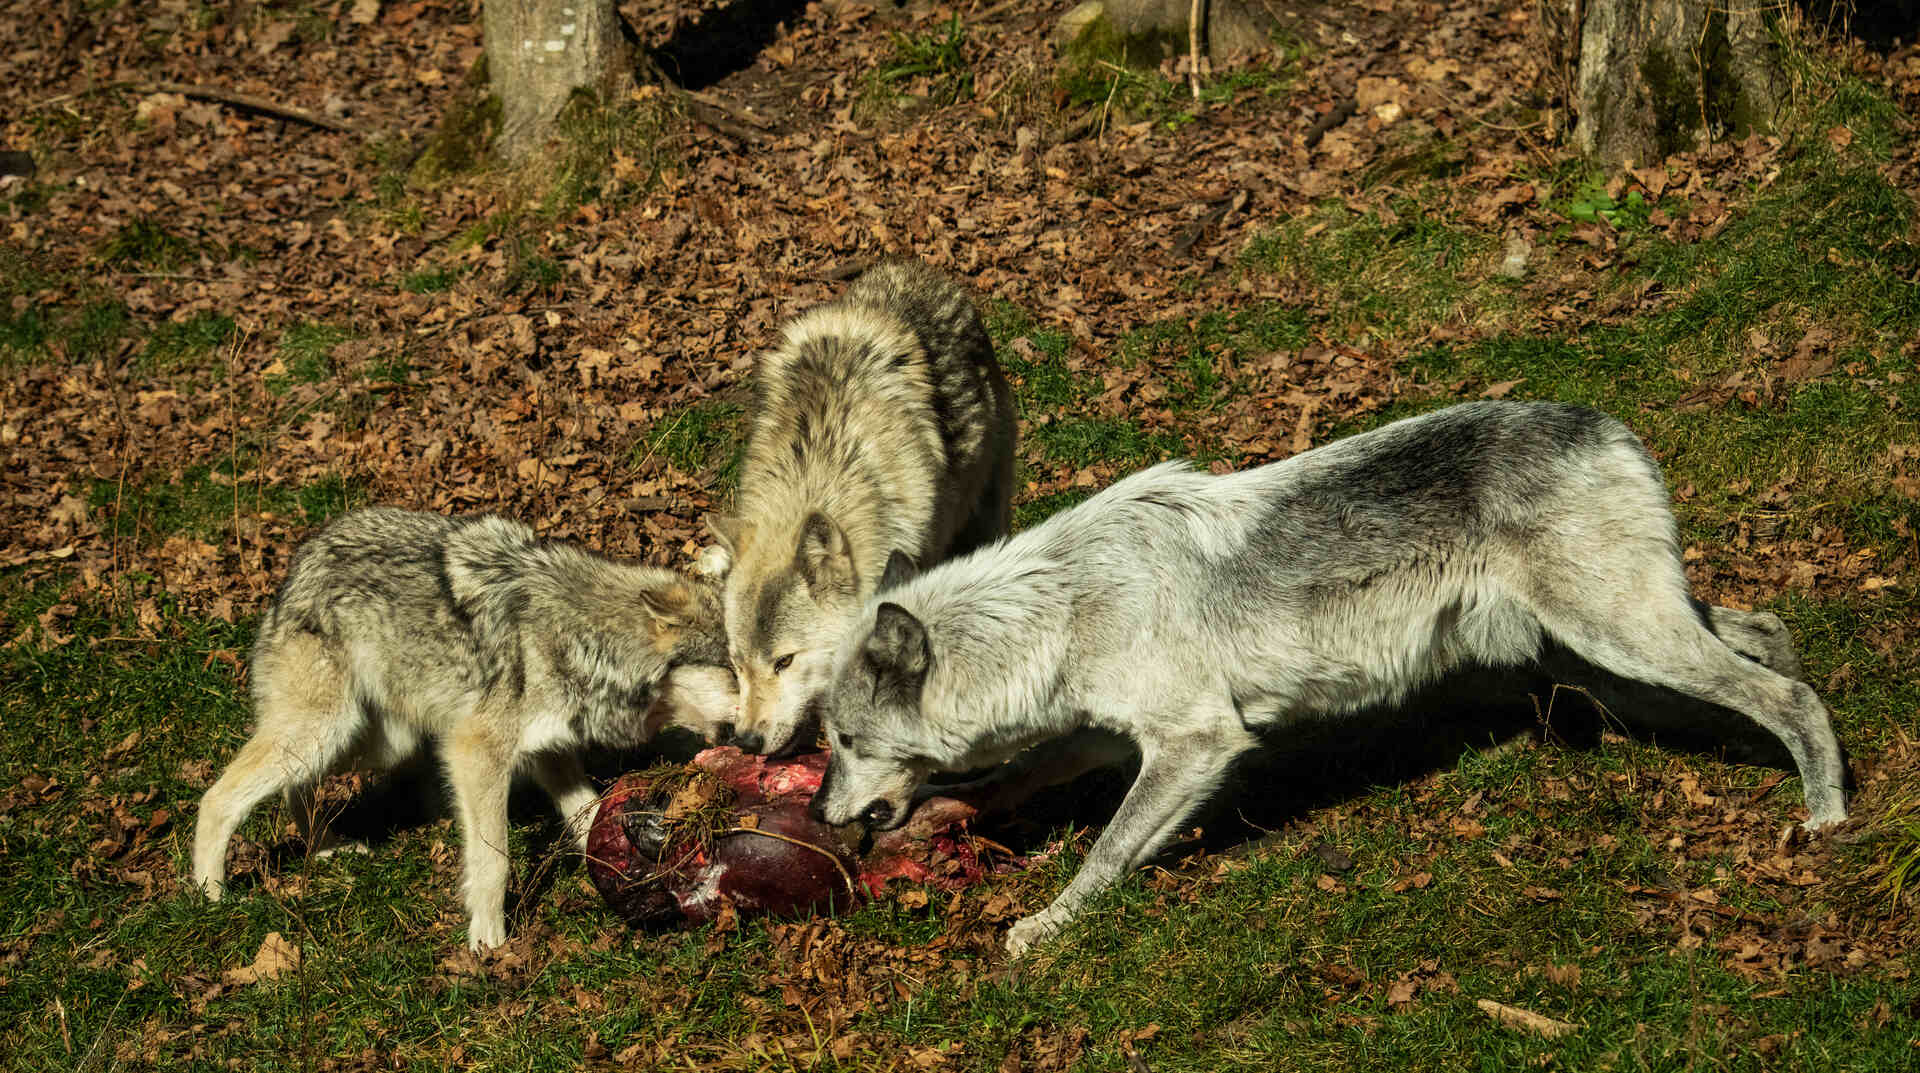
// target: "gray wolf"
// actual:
[[881, 423], [393, 627], [1189, 615]]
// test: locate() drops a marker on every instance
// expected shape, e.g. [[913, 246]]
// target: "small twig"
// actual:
[[1193, 49], [1689, 902], [838, 867], [249, 102]]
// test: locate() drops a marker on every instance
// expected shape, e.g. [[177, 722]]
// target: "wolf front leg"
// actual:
[[1176, 776], [480, 770]]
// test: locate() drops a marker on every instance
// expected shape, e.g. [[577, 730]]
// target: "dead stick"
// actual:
[[251, 103]]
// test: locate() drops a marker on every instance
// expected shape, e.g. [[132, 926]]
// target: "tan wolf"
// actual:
[[881, 423], [394, 627]]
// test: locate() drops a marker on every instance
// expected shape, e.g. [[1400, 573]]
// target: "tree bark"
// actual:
[[1656, 77], [1153, 30], [539, 52]]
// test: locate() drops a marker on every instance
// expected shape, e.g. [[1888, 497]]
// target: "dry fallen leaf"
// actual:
[[1525, 1020], [276, 958]]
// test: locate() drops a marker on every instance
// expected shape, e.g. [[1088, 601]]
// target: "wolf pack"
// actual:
[[866, 591]]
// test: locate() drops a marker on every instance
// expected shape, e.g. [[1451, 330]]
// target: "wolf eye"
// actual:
[[846, 739], [783, 663]]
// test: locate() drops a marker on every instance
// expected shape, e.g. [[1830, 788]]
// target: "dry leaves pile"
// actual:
[[531, 399]]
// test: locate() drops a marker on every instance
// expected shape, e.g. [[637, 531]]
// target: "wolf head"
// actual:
[[642, 641], [874, 723], [787, 606]]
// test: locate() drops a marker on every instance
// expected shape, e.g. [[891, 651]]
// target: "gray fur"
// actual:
[[1190, 615], [393, 627], [881, 424]]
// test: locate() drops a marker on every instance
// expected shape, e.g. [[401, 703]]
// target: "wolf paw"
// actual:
[[213, 888], [1029, 931], [483, 935], [332, 848], [1824, 822], [712, 563]]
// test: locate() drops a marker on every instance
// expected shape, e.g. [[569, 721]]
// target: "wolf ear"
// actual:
[[897, 647], [824, 557], [731, 531], [900, 569], [672, 604]]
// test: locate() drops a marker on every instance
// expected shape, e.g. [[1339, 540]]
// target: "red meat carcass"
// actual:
[[669, 848]]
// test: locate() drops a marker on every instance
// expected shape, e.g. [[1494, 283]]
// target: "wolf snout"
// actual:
[[751, 742], [878, 815]]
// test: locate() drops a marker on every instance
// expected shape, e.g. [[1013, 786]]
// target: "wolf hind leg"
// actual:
[[304, 729], [1758, 635], [1653, 634]]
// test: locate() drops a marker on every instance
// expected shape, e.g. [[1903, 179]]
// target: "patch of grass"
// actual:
[[529, 270], [1032, 512], [703, 438], [306, 349], [935, 61], [1078, 442], [178, 344], [1035, 360], [611, 153], [432, 280], [390, 368], [1386, 277], [1117, 74], [202, 503], [92, 332], [30, 197], [146, 243]]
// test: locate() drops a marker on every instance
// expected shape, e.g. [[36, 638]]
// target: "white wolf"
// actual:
[[1189, 614]]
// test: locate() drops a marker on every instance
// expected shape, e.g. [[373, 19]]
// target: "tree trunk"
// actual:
[[1662, 76], [1148, 31], [539, 52]]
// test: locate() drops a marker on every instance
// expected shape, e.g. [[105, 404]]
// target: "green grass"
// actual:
[[1116, 75], [431, 280], [939, 57], [704, 438], [146, 243], [189, 343], [306, 351], [203, 501]]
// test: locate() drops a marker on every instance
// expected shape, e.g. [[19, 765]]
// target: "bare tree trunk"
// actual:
[[539, 52], [1152, 30], [1661, 76]]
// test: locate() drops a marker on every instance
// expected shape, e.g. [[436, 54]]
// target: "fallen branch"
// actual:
[[247, 102]]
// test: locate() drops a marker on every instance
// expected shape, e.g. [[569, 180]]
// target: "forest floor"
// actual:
[[220, 326]]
